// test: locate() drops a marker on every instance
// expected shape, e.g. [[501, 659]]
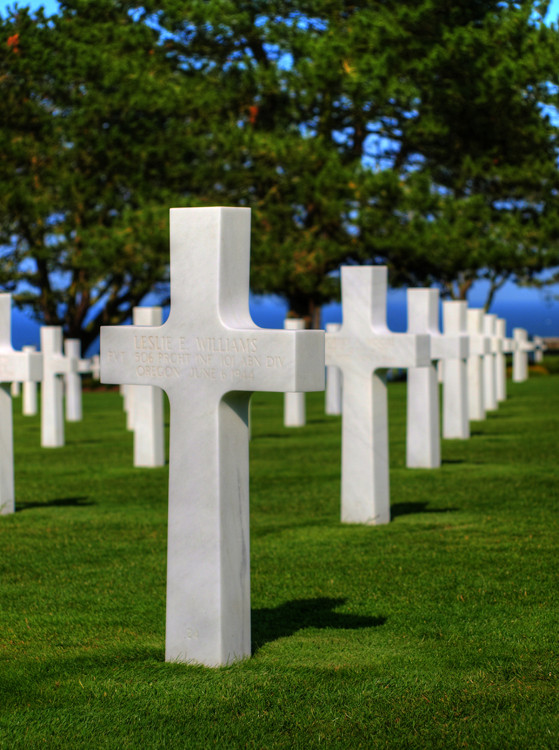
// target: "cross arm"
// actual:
[[450, 347], [21, 367]]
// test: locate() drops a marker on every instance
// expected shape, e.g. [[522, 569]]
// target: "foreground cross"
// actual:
[[209, 357], [14, 366], [362, 346]]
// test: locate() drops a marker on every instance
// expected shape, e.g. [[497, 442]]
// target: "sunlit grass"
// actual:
[[438, 630]]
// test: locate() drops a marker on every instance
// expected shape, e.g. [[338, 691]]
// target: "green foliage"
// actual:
[[437, 630], [417, 134], [94, 125]]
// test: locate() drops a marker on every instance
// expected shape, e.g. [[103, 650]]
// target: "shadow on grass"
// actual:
[[407, 509], [270, 624], [59, 502]]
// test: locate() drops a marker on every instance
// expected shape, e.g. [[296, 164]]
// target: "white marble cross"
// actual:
[[456, 422], [489, 363], [423, 435], [72, 379], [29, 405], [209, 357], [539, 348], [520, 355], [146, 404], [294, 411], [333, 395], [19, 367], [127, 393], [95, 367], [363, 346], [480, 345], [501, 360], [55, 365]]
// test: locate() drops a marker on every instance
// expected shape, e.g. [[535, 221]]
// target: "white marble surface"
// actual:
[[489, 364], [360, 348], [520, 355], [96, 367], [73, 381], [456, 424], [423, 437], [333, 394], [55, 366], [18, 367], [480, 345], [294, 408], [209, 356], [29, 401], [127, 393], [501, 360], [146, 404]]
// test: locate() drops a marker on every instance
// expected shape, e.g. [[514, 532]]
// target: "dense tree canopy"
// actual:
[[417, 134], [98, 138]]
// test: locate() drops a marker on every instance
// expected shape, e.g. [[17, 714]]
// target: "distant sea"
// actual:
[[521, 308]]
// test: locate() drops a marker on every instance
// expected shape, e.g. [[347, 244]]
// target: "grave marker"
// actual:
[[95, 367], [333, 395], [29, 407], [489, 366], [501, 360], [520, 355], [72, 379], [294, 412], [360, 348], [209, 356], [456, 422], [423, 437], [19, 367], [479, 347], [147, 406], [127, 393], [55, 365]]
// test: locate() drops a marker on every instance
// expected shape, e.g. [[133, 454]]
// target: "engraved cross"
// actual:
[[209, 357]]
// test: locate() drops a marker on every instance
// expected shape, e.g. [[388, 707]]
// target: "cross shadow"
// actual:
[[453, 461], [59, 502], [270, 624], [407, 509]]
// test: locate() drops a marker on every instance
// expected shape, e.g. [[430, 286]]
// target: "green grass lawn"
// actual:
[[439, 630]]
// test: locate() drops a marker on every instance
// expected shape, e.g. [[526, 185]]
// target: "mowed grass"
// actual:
[[438, 630]]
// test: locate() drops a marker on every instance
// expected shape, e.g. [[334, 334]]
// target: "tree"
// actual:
[[99, 137], [412, 134], [482, 200]]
